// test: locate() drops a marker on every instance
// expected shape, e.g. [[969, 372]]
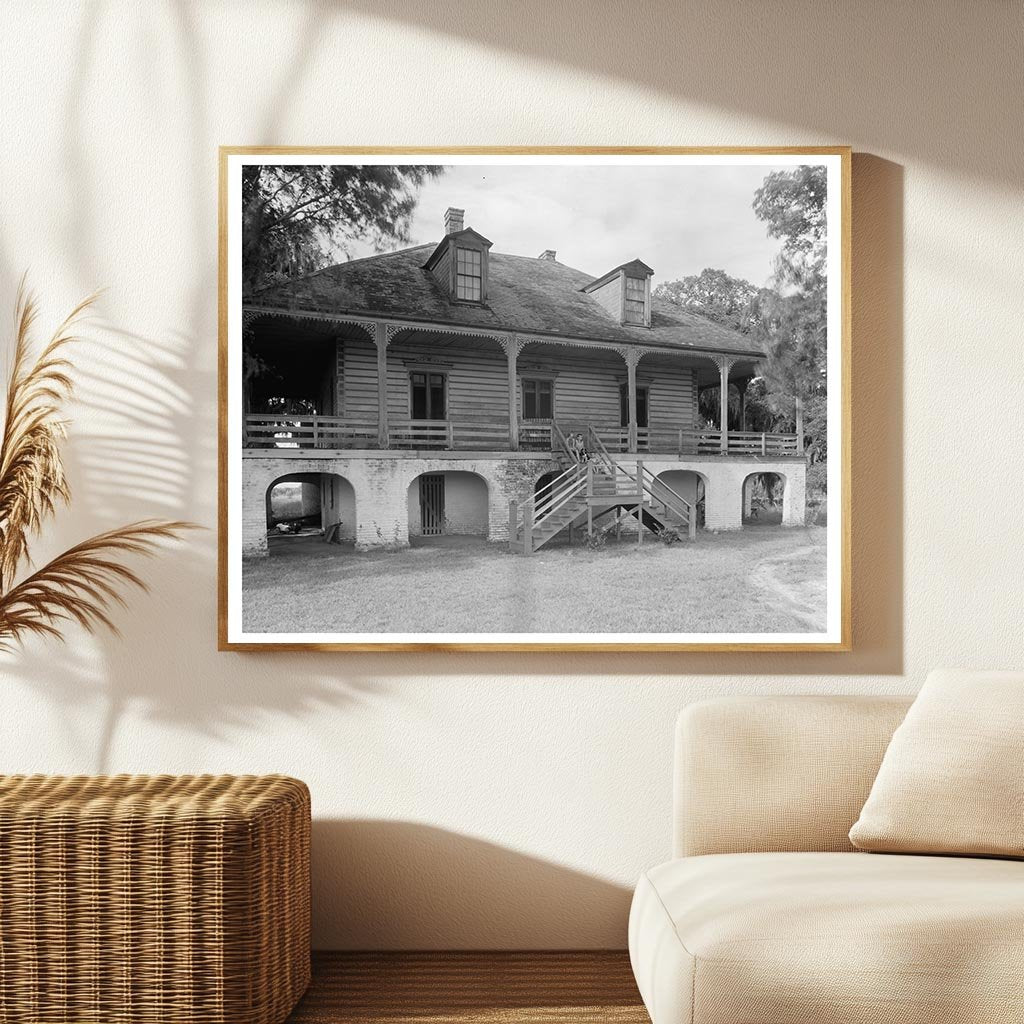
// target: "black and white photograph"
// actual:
[[549, 399]]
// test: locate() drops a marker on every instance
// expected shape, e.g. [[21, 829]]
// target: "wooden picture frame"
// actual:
[[319, 317]]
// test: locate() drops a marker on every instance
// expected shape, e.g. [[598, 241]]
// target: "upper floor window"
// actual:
[[636, 300], [468, 274], [427, 396], [538, 399]]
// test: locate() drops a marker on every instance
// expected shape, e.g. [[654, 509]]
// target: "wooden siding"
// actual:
[[610, 296], [442, 270], [587, 381], [672, 397]]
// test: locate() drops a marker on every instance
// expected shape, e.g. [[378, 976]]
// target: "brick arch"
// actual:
[[694, 496], [262, 475], [748, 516], [464, 512], [336, 498]]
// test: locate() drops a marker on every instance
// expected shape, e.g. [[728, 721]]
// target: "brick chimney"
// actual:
[[547, 254], [453, 220]]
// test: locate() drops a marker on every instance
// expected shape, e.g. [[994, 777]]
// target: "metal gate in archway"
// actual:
[[432, 504]]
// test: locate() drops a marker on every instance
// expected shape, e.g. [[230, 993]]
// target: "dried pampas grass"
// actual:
[[83, 583]]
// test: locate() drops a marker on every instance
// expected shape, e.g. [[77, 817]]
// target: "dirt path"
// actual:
[[805, 600]]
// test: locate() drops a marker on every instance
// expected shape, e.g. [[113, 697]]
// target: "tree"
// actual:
[[297, 219], [792, 315], [792, 204], [712, 293]]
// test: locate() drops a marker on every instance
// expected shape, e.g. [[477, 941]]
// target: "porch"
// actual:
[[380, 385]]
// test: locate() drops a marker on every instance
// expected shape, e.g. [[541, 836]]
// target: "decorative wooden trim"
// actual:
[[250, 314], [396, 327]]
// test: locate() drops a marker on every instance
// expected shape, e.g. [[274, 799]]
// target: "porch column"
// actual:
[[799, 425], [632, 357], [381, 341], [511, 346], [724, 365]]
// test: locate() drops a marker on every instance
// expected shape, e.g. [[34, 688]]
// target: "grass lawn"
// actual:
[[763, 579]]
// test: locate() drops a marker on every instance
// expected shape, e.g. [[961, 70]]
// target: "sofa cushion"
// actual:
[[777, 773], [952, 778], [830, 938]]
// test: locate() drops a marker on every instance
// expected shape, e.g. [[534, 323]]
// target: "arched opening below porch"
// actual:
[[763, 495], [310, 509], [689, 485], [448, 505]]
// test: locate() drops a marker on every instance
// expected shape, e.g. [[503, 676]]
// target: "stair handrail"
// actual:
[[571, 483], [598, 446], [687, 507], [556, 432], [611, 464]]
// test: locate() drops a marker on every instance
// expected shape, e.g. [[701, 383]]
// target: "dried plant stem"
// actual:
[[82, 584]]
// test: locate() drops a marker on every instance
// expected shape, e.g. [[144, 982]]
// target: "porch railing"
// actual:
[[265, 430], [286, 431], [697, 442], [453, 435]]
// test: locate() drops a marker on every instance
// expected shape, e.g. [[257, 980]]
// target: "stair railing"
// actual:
[[670, 498], [572, 483], [547, 502], [563, 443], [597, 446], [618, 472]]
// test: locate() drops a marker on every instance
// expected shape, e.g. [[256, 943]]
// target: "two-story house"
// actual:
[[449, 388]]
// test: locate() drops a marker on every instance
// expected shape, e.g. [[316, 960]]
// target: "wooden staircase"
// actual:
[[591, 488]]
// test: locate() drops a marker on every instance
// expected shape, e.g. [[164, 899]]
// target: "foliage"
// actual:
[[82, 583], [299, 218], [816, 491], [788, 319], [792, 320], [792, 204], [729, 301]]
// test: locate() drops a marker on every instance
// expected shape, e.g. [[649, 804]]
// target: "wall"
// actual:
[[338, 505], [492, 800]]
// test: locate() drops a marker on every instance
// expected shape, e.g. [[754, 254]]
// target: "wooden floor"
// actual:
[[489, 988]]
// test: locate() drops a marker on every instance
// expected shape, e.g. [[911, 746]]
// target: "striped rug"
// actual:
[[471, 988]]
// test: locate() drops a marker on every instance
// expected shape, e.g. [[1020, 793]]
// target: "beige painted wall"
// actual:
[[491, 800]]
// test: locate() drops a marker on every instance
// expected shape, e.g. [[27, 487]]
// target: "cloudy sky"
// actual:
[[678, 220]]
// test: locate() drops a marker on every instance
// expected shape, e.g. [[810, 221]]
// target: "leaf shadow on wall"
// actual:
[[405, 885], [146, 447], [789, 67]]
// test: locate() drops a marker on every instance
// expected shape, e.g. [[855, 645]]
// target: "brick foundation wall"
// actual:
[[377, 507]]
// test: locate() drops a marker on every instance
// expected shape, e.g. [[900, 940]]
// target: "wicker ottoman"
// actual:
[[171, 900]]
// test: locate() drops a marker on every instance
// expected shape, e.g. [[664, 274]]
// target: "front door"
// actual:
[[432, 504]]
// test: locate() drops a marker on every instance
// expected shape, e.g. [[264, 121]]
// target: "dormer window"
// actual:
[[459, 263], [468, 274], [625, 293], [635, 311]]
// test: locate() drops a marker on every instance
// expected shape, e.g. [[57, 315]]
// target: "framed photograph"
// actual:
[[551, 399]]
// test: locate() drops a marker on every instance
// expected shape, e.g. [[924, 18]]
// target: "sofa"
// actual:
[[768, 914]]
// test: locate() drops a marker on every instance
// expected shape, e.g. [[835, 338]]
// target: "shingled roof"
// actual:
[[531, 295]]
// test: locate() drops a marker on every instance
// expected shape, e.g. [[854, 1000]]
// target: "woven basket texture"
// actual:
[[166, 899]]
